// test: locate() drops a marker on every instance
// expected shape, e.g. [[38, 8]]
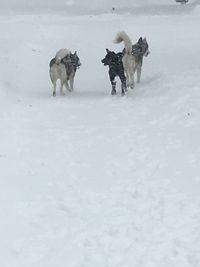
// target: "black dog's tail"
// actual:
[[123, 37]]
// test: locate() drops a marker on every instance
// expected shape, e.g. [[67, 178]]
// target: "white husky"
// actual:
[[133, 56], [63, 67], [128, 59]]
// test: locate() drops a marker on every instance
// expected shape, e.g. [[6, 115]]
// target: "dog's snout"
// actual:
[[103, 61], [147, 53]]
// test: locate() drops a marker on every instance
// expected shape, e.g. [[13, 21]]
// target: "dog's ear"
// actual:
[[75, 53], [140, 40], [107, 50]]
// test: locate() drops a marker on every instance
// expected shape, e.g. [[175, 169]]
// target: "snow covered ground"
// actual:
[[91, 179]]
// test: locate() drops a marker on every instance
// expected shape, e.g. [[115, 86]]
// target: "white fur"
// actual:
[[61, 54], [128, 59], [58, 72], [123, 37]]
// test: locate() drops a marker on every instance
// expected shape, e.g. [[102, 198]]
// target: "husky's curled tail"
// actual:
[[128, 59], [123, 37], [62, 53]]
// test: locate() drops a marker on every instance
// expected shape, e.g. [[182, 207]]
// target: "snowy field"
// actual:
[[94, 180]]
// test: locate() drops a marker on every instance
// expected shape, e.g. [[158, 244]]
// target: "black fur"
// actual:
[[114, 62], [71, 63]]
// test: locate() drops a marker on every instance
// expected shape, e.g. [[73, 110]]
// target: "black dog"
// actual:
[[114, 62]]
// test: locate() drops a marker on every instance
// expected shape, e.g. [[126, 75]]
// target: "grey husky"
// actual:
[[63, 67], [132, 57]]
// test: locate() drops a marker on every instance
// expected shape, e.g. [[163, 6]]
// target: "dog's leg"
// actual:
[[132, 82], [130, 79], [126, 70], [67, 85], [112, 80], [123, 83], [139, 71], [113, 92], [61, 87], [129, 68], [127, 78], [53, 80], [54, 88], [132, 85], [127, 83], [123, 88], [71, 82]]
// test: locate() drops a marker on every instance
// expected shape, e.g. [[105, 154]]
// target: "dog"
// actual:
[[63, 67], [132, 57], [114, 62]]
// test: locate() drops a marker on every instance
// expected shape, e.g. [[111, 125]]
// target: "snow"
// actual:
[[89, 179]]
